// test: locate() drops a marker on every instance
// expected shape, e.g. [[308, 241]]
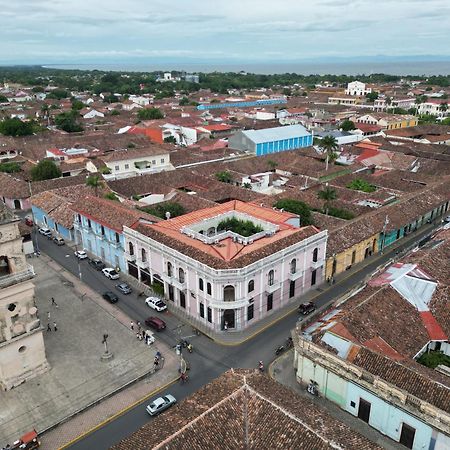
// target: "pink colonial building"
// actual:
[[219, 277]]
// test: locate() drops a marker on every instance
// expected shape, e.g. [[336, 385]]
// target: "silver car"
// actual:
[[160, 404]]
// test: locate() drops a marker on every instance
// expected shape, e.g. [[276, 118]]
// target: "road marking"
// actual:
[[118, 414]]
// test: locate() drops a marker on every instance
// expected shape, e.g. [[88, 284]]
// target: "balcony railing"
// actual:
[[273, 287], [17, 277], [141, 263], [239, 303], [316, 264], [129, 256]]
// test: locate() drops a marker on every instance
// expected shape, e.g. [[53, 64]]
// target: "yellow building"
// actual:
[[389, 121]]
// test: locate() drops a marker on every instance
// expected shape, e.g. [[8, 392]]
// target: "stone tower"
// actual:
[[22, 351]]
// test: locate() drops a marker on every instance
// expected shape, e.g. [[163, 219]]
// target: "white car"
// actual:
[[81, 254], [160, 404], [156, 303], [45, 231], [110, 273]]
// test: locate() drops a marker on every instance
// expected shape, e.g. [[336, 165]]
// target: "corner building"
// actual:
[[219, 277]]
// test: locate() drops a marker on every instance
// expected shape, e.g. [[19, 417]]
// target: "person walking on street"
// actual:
[[54, 303], [49, 328], [143, 334], [48, 316], [132, 326], [54, 326]]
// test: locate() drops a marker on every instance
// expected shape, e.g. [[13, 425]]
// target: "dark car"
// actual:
[[29, 221], [306, 308], [97, 264], [124, 288], [155, 323], [111, 297]]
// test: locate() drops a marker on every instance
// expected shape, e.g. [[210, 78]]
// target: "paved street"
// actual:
[[209, 359]]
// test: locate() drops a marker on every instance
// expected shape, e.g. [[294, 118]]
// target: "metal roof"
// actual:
[[276, 134]]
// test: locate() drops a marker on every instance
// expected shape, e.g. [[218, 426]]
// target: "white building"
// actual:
[[134, 161], [434, 107], [358, 89], [222, 279]]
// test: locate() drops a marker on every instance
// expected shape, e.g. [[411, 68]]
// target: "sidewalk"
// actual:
[[78, 378], [282, 371], [344, 284]]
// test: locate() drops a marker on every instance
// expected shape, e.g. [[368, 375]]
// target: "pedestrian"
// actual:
[[143, 334], [54, 326], [48, 316], [49, 328], [225, 325], [54, 303], [132, 326]]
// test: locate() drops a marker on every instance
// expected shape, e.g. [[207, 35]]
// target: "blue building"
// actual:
[[53, 211], [99, 228], [271, 140], [243, 104]]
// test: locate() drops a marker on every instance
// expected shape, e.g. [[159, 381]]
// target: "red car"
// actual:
[[155, 323], [28, 221]]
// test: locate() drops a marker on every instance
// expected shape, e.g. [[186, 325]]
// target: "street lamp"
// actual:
[[106, 354]]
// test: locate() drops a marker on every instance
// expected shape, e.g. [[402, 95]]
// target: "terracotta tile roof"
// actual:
[[227, 254], [217, 415], [409, 376], [132, 153], [13, 187], [110, 213]]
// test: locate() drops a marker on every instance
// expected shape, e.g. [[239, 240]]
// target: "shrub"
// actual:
[[361, 185], [433, 359], [244, 228], [45, 170], [160, 210], [111, 196], [340, 213], [10, 167], [224, 176], [150, 114]]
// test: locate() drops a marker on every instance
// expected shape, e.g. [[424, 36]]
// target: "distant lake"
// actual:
[[351, 68]]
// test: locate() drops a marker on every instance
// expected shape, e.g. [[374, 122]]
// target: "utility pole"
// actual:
[[386, 221]]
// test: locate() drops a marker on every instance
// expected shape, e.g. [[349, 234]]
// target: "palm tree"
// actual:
[[329, 145], [388, 102], [328, 195], [442, 108], [418, 102], [94, 182]]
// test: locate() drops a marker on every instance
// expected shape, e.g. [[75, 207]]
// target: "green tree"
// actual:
[[67, 121], [170, 140], [173, 208], [372, 96], [296, 207], [272, 164], [15, 127], [58, 94], [10, 167], [359, 184], [245, 228], [115, 112], [3, 99], [94, 182], [347, 125], [45, 170], [443, 107], [184, 101], [329, 145], [327, 195], [77, 104], [150, 114], [287, 92], [224, 176]]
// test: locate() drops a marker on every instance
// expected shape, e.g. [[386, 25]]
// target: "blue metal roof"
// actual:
[[276, 134]]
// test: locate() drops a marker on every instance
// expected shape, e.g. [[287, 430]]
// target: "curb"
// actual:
[[117, 414]]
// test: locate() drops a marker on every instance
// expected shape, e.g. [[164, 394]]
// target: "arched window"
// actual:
[[169, 269], [271, 277], [251, 285], [315, 254], [294, 266], [200, 284], [208, 289], [131, 248], [181, 275], [228, 294], [143, 255]]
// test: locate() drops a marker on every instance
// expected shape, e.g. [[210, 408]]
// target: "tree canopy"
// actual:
[[347, 125], [359, 184], [296, 207], [245, 228], [224, 176], [45, 170], [67, 121], [160, 210], [15, 127], [150, 114], [327, 195]]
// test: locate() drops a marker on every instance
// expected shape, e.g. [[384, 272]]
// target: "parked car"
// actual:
[[156, 303], [447, 219], [58, 240], [111, 297], [124, 288], [97, 264], [306, 308], [45, 231], [160, 404], [155, 323], [29, 221], [110, 273], [80, 254]]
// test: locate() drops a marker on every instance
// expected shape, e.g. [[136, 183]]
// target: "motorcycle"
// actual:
[[184, 343], [312, 388], [190, 348], [289, 342], [279, 350], [261, 366]]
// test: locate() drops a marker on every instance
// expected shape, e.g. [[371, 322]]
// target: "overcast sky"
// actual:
[[40, 31]]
